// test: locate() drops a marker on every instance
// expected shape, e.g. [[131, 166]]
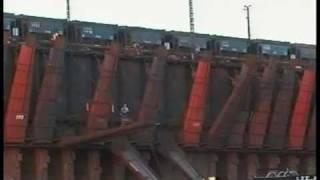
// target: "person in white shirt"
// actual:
[[124, 111]]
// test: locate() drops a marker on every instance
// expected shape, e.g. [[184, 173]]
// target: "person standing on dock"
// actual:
[[124, 111]]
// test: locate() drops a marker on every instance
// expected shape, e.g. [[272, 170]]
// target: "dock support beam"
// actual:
[[41, 164], [12, 164]]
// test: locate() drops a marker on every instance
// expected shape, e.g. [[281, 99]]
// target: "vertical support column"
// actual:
[[146, 156], [213, 159], [252, 163], [293, 162], [272, 161], [41, 164], [232, 166], [12, 164], [118, 169], [94, 168], [309, 165], [67, 164]]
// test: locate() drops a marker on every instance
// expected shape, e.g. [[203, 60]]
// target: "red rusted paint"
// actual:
[[101, 105], [220, 127], [67, 164], [12, 164], [200, 162], [259, 123], [301, 111], [276, 138], [16, 119], [212, 164], [252, 163], [236, 137], [152, 96], [272, 161], [308, 165], [192, 124], [232, 161], [118, 169], [94, 168], [311, 136], [46, 114], [293, 162], [41, 164]]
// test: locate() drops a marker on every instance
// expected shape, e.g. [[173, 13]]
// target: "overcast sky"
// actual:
[[283, 20]]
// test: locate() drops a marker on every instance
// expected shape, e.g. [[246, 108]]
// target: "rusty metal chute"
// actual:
[[259, 122], [301, 111], [282, 109], [17, 115], [217, 133], [152, 95], [194, 117], [100, 110], [44, 120]]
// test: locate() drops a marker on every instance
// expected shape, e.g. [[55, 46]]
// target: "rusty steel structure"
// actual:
[[214, 117]]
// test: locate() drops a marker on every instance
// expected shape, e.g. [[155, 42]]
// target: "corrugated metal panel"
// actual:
[[259, 123], [17, 115], [282, 110], [44, 25], [146, 36], [301, 111], [192, 124], [98, 31]]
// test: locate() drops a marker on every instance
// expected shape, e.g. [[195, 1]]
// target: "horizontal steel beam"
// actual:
[[122, 130]]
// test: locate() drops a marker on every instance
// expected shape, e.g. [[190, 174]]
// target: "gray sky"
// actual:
[[283, 20]]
